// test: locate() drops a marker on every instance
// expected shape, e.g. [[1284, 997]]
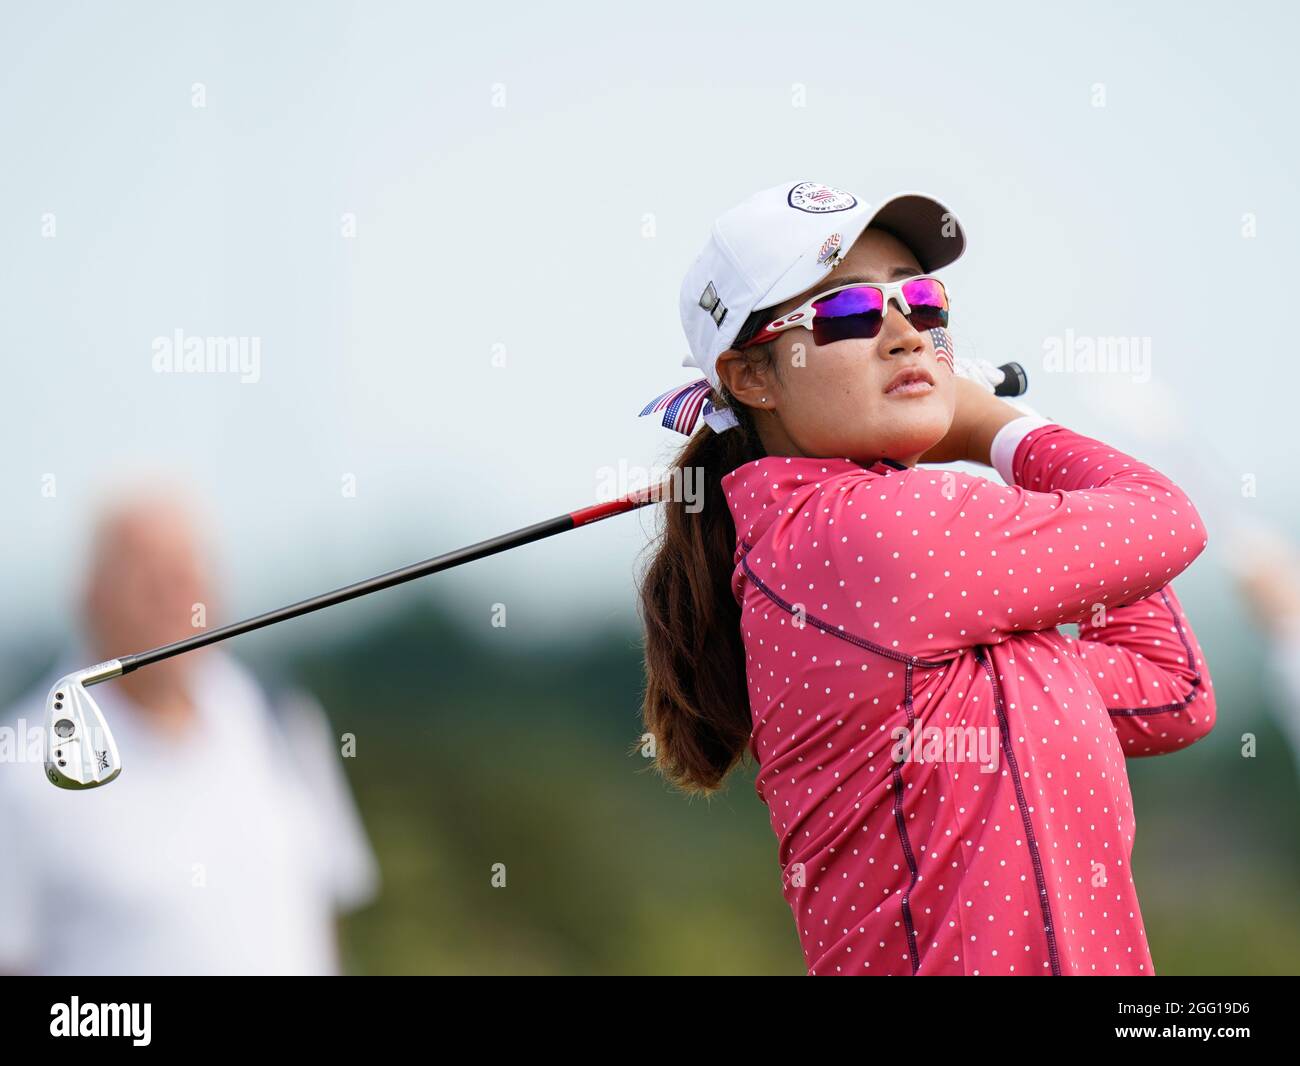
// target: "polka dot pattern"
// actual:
[[879, 602]]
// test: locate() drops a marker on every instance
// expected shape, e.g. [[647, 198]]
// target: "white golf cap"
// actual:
[[777, 244], [784, 240]]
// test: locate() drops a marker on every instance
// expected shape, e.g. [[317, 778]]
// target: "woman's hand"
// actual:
[[976, 419]]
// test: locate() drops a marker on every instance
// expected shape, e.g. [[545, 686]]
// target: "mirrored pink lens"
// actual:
[[848, 314], [929, 303]]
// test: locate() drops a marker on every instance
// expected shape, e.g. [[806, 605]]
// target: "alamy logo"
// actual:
[[102, 1019], [186, 354]]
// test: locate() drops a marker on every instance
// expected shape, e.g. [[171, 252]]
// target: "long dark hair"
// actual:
[[696, 699]]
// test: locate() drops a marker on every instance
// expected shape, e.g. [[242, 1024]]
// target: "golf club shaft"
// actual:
[[1015, 384], [526, 535]]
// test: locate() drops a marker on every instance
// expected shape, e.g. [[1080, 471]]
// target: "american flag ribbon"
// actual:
[[943, 347], [682, 406]]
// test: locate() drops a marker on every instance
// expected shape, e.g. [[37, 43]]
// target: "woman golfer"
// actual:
[[943, 768]]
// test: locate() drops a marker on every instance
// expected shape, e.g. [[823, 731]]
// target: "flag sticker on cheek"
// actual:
[[942, 347]]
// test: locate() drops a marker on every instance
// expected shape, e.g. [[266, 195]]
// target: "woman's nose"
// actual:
[[897, 334]]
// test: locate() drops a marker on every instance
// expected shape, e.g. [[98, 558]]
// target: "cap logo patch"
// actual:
[[710, 302], [830, 250], [819, 199]]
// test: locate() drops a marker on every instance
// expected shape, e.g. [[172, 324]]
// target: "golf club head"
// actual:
[[79, 748]]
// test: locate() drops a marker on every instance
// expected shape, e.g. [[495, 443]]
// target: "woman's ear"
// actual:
[[746, 381]]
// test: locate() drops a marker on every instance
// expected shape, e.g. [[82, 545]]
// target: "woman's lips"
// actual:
[[911, 388], [912, 380]]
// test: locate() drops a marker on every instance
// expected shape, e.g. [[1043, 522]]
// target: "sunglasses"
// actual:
[[857, 311]]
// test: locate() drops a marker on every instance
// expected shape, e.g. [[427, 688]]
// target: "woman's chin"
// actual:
[[899, 430], [916, 424]]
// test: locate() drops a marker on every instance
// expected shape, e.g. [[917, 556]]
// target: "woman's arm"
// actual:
[[1148, 666], [940, 560]]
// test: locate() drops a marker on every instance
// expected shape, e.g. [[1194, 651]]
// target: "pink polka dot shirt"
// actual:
[[945, 769]]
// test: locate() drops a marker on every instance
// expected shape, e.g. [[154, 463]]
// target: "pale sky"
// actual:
[[553, 232]]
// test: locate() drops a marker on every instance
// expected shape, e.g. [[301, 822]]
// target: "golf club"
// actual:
[[80, 751]]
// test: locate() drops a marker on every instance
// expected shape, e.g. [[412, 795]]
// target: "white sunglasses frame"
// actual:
[[805, 313]]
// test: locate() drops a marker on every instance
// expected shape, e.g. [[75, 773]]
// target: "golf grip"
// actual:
[[1015, 381]]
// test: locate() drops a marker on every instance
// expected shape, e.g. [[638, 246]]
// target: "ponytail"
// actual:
[[697, 699]]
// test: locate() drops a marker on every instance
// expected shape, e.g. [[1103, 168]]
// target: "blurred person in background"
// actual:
[[1267, 569], [229, 845]]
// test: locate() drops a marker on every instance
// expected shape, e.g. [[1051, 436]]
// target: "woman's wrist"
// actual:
[[979, 444], [1006, 443]]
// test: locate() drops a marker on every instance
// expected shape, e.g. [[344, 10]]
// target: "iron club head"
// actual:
[[79, 748]]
